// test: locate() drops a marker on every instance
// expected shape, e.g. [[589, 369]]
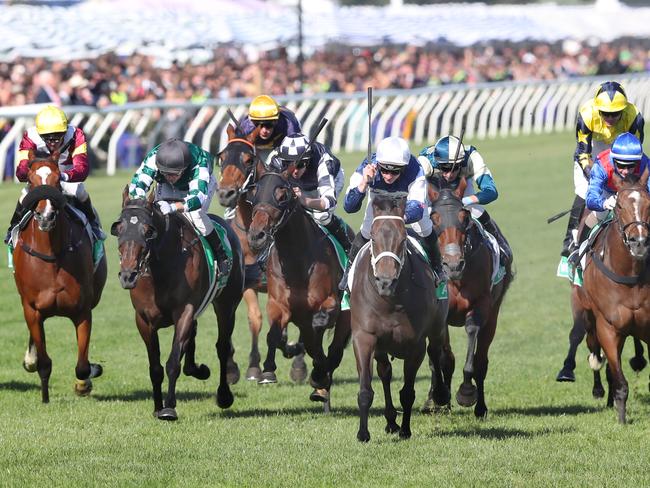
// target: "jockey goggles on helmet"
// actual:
[[390, 169]]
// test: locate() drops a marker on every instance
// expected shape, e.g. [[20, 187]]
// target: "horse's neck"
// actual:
[[617, 255], [51, 242], [296, 237], [244, 212]]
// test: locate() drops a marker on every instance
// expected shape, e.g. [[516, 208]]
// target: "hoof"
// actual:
[[598, 391], [232, 372], [225, 397], [268, 378], [320, 395], [83, 387], [392, 428], [254, 373], [298, 372], [363, 436], [166, 414], [565, 374], [200, 372], [293, 349], [637, 363], [96, 370], [595, 362], [431, 407], [481, 413], [404, 434], [29, 366], [466, 395]]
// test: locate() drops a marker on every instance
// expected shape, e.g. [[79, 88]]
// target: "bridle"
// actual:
[[386, 254], [250, 171], [287, 208], [622, 229]]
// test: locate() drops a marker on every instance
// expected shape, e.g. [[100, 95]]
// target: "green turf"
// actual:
[[538, 432]]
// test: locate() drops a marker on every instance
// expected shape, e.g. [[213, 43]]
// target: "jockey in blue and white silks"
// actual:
[[393, 169]]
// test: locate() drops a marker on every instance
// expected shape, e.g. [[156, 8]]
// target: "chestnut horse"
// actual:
[[163, 265], [394, 310], [474, 301], [240, 169], [303, 273], [55, 273], [614, 301]]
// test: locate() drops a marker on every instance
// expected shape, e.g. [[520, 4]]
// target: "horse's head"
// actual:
[[273, 201], [239, 164], [134, 231], [451, 222], [388, 240], [632, 213], [44, 196]]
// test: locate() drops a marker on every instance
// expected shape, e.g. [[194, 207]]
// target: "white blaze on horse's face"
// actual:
[[43, 172], [635, 196]]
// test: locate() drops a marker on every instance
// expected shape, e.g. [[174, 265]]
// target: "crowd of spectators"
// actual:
[[234, 72]]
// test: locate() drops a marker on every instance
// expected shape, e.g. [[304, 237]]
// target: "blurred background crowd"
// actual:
[[233, 72]]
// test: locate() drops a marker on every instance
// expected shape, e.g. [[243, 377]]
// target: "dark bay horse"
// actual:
[[394, 310], [474, 301], [55, 273], [163, 265], [303, 273], [240, 168], [614, 301]]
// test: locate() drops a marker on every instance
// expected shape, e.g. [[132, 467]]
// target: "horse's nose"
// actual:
[[128, 278], [454, 269], [227, 196], [638, 246], [257, 239], [384, 286]]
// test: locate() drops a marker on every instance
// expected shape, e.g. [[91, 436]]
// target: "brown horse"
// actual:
[[614, 301], [55, 274], [240, 169], [394, 310], [303, 275], [163, 265], [474, 301]]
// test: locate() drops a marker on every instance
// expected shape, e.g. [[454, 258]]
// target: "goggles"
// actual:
[[390, 169], [266, 124], [619, 163], [53, 138], [610, 115], [448, 167]]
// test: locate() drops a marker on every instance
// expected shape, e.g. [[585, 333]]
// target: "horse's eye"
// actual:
[[150, 233]]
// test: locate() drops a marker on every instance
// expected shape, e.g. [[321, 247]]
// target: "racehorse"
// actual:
[[394, 310], [303, 273], [163, 265], [474, 301], [55, 273], [240, 169], [614, 301]]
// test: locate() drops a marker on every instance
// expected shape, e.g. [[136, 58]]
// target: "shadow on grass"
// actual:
[[20, 386], [544, 410], [316, 409], [140, 395], [491, 433]]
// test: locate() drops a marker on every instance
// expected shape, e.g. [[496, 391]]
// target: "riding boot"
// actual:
[[358, 242], [338, 229], [430, 245], [491, 226], [583, 234], [87, 208], [18, 215], [220, 256], [574, 221]]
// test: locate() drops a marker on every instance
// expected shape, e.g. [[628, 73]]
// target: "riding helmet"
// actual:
[[393, 151], [626, 149], [610, 97], [448, 150], [263, 107], [51, 120], [173, 156], [294, 147]]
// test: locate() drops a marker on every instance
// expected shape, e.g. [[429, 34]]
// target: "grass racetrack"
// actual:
[[538, 432]]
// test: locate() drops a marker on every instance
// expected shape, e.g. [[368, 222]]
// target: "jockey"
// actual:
[[393, 169], [276, 122], [53, 133], [450, 160], [626, 157], [318, 179], [183, 172], [600, 121]]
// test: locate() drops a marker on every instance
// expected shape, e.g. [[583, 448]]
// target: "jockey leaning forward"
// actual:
[[186, 185], [317, 179], [600, 121], [52, 133], [451, 160], [392, 169]]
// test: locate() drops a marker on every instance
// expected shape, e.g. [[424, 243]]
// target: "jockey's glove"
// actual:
[[166, 207], [64, 176], [468, 201], [610, 203]]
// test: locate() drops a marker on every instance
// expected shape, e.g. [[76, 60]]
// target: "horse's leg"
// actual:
[[485, 337], [254, 372], [407, 394], [190, 368], [595, 363], [342, 332], [466, 394], [295, 350], [385, 373], [29, 361], [576, 336], [84, 370], [277, 324], [34, 321], [441, 363], [225, 311], [638, 362], [320, 378], [364, 346], [612, 344], [156, 373]]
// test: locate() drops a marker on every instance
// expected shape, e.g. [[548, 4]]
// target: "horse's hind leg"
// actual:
[[156, 373], [576, 336], [638, 362], [441, 363], [182, 337], [34, 321], [254, 372], [612, 344], [596, 362], [364, 345], [466, 394], [385, 373], [190, 368], [29, 361], [84, 370], [481, 363], [407, 393]]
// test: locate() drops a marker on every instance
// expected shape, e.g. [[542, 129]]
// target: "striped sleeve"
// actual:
[[326, 182], [144, 176], [201, 171]]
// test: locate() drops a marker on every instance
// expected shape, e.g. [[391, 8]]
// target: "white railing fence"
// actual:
[[421, 115]]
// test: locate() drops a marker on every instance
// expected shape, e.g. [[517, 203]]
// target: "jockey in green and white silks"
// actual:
[[450, 160], [186, 184]]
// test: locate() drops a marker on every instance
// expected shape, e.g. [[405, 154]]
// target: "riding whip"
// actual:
[[369, 123], [322, 124], [559, 215], [235, 121]]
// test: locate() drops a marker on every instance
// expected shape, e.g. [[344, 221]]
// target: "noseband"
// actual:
[[386, 254]]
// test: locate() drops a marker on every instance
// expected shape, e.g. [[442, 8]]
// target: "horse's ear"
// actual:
[[432, 192], [230, 130], [54, 156], [462, 184], [125, 195], [253, 135]]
